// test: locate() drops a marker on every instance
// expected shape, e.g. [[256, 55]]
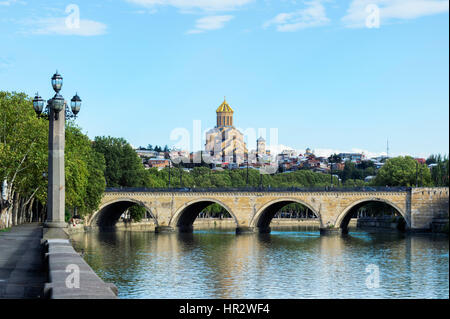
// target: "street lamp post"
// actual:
[[247, 173], [417, 176], [169, 172], [56, 142], [181, 176], [331, 175]]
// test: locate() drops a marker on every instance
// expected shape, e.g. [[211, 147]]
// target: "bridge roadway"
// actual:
[[253, 209]]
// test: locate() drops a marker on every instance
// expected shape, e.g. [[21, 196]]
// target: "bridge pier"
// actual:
[[164, 229], [333, 231], [251, 230], [185, 229], [263, 230], [244, 230]]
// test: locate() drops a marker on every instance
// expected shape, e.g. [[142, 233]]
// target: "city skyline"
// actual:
[[312, 69]]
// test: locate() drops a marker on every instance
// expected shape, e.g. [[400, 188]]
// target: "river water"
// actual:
[[288, 263]]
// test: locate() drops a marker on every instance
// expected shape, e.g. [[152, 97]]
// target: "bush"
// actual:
[[137, 212]]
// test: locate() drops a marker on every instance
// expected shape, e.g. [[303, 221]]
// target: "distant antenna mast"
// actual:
[[387, 148]]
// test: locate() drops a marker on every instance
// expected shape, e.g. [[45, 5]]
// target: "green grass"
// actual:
[[5, 230]]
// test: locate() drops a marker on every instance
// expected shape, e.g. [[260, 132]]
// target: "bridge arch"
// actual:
[[186, 214], [265, 214], [344, 217], [108, 214]]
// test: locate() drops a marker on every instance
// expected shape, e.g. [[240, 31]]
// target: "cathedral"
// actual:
[[225, 143]]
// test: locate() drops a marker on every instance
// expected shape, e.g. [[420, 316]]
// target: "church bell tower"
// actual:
[[224, 115]]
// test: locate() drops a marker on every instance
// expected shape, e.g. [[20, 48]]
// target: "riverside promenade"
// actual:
[[22, 270], [36, 265]]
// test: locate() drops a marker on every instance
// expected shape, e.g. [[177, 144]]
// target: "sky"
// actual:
[[332, 75]]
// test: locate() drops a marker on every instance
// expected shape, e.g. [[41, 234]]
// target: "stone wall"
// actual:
[[428, 204], [206, 223], [418, 206], [70, 277]]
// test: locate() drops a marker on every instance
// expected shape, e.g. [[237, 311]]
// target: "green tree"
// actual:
[[84, 168], [23, 157], [137, 212], [24, 162], [334, 158], [439, 169], [123, 165], [354, 183], [96, 182], [401, 171]]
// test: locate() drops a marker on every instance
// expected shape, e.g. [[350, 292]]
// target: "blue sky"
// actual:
[[326, 74]]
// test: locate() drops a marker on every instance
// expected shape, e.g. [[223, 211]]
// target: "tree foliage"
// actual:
[[203, 177], [24, 163], [403, 171], [84, 168], [123, 165], [137, 212], [23, 154], [439, 169]]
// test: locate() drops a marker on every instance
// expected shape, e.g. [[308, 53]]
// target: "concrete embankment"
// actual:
[[33, 267], [201, 223], [22, 269], [206, 223], [378, 222], [438, 225], [70, 277]]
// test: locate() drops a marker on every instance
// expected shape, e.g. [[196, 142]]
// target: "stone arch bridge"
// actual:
[[252, 210]]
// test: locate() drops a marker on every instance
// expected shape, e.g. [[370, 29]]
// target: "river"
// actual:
[[287, 263]]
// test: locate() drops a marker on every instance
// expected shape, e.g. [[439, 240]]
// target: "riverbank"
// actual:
[[70, 277], [148, 225], [200, 223], [22, 268], [371, 223], [34, 268]]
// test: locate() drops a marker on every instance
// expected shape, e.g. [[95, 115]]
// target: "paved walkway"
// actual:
[[22, 271]]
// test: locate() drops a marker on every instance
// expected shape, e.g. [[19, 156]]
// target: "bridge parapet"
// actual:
[[257, 189]]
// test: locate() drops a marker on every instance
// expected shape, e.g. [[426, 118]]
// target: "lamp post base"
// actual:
[[54, 233], [55, 225]]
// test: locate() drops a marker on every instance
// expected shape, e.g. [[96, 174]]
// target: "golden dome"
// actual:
[[224, 107]]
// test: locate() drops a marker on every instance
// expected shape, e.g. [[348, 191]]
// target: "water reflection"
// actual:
[[284, 264]]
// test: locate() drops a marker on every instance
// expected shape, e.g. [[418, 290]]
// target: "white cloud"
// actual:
[[392, 9], [278, 148], [59, 26], [312, 16], [323, 152], [327, 152], [210, 23], [7, 2], [206, 5]]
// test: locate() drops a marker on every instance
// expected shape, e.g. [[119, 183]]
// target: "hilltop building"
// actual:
[[224, 142], [261, 147]]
